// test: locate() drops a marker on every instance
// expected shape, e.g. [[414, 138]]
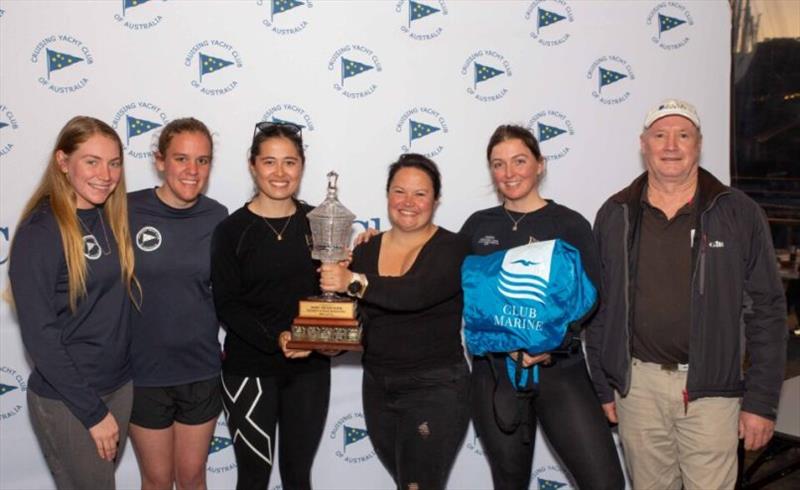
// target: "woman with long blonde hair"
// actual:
[[71, 274]]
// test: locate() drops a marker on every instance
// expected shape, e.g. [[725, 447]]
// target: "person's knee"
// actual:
[[157, 481]]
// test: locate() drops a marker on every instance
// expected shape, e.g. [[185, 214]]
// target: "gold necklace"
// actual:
[[278, 235], [515, 221]]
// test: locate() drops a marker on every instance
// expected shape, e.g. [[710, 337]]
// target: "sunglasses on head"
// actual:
[[265, 126]]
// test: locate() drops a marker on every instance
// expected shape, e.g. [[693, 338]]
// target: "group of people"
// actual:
[[116, 307]]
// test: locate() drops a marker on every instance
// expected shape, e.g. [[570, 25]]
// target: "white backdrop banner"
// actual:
[[367, 80]]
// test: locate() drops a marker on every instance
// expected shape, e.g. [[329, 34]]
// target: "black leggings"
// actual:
[[571, 417], [416, 423], [298, 402]]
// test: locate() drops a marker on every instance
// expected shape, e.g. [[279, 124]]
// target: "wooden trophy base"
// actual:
[[326, 325]]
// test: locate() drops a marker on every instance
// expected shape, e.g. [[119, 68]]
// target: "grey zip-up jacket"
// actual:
[[737, 302]]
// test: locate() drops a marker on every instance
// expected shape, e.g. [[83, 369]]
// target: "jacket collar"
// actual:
[[708, 189]]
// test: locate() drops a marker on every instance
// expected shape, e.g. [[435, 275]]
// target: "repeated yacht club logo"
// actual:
[[355, 68], [421, 20], [291, 113], [2, 12], [139, 19], [670, 23], [422, 130], [136, 121], [611, 78], [551, 21], [214, 65], [286, 17], [64, 61], [355, 446], [554, 131], [550, 477], [8, 128], [220, 453], [5, 244], [487, 73], [13, 386]]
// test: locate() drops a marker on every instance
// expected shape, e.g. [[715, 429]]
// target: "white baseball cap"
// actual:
[[672, 107]]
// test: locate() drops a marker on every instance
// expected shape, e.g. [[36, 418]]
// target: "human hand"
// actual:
[[529, 360], [283, 340], [364, 236], [755, 430], [106, 437], [610, 409], [334, 277]]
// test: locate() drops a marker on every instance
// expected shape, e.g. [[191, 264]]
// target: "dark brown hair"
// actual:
[[182, 125], [421, 162], [507, 132], [267, 131]]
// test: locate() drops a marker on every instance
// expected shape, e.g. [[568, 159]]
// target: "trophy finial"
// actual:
[[333, 178]]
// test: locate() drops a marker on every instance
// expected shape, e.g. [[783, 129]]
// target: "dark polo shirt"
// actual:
[[663, 285]]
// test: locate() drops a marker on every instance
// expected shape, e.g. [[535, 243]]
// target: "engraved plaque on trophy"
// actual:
[[328, 321]]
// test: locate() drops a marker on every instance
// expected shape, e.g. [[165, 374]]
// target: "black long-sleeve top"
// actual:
[[257, 281], [80, 356], [413, 321], [490, 230]]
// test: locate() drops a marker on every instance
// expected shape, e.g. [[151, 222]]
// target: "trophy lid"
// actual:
[[331, 209]]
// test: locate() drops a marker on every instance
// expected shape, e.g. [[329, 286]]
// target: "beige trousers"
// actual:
[[667, 445]]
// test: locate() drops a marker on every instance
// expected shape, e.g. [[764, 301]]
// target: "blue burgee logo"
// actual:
[[417, 10], [353, 435], [6, 388], [485, 72], [127, 4], [422, 123], [607, 77], [490, 71], [63, 51], [670, 21], [418, 130], [546, 132], [281, 6], [5, 240], [612, 75], [549, 484], [551, 21], [352, 68], [665, 23], [57, 61], [138, 21], [211, 64], [8, 127], [217, 444], [13, 386], [546, 18], [139, 126], [291, 113]]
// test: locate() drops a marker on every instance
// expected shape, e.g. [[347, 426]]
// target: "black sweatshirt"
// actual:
[[175, 335], [413, 322], [77, 356], [258, 281], [490, 230]]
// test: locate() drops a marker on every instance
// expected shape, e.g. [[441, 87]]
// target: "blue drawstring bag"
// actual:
[[524, 299]]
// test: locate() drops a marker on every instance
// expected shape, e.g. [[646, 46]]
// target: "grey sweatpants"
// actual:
[[70, 451]]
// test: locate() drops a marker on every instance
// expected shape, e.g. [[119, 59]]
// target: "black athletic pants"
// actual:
[[570, 415], [298, 403], [416, 423]]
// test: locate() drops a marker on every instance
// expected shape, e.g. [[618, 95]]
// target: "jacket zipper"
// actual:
[[627, 297]]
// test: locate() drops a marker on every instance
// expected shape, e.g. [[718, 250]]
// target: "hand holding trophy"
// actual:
[[328, 322]]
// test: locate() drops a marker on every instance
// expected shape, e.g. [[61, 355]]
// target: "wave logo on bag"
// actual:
[[525, 274]]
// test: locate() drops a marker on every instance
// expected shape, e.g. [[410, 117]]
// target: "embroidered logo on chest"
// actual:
[[488, 240], [148, 239]]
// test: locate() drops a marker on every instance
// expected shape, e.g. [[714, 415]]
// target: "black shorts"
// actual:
[[191, 404]]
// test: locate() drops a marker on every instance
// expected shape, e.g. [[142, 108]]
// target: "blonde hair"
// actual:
[[55, 189]]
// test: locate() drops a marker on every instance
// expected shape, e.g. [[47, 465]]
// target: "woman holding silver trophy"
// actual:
[[407, 279], [261, 267]]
